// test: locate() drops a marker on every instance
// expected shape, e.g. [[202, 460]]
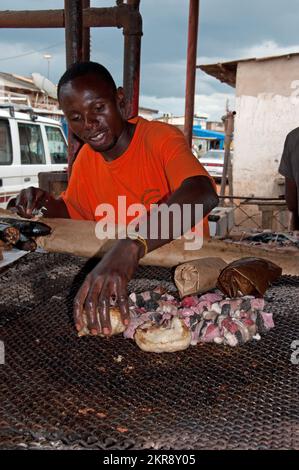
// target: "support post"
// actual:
[[227, 166], [191, 69]]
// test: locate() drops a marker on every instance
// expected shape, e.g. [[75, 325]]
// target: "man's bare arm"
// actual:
[[193, 190], [117, 267]]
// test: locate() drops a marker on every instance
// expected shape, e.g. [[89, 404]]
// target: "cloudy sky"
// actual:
[[228, 30]]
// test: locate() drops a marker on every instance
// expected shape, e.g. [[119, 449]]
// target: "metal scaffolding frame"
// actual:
[[78, 17]]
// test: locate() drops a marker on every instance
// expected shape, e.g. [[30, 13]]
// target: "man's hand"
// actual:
[[31, 200], [108, 279]]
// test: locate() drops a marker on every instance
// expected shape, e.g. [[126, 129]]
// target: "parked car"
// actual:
[[29, 144], [213, 161]]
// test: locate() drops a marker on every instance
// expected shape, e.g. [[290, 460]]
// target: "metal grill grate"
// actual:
[[59, 391]]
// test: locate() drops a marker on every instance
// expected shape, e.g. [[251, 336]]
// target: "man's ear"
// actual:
[[120, 96]]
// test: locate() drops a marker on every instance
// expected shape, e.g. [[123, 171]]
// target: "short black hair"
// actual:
[[78, 69]]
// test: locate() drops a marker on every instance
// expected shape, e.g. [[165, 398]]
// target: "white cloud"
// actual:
[[168, 78], [264, 49], [30, 61], [267, 48], [171, 104], [162, 83], [214, 104]]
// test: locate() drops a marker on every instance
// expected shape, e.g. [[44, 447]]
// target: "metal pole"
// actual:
[[132, 52], [74, 53], [229, 131], [131, 75], [86, 35], [77, 17], [120, 17], [191, 68], [73, 18], [32, 19]]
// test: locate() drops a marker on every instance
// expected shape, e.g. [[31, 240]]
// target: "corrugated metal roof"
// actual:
[[226, 72], [17, 82], [199, 132]]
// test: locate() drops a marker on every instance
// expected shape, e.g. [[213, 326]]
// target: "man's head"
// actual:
[[92, 104]]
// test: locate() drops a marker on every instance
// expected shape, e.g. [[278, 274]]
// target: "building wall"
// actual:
[[215, 126], [267, 106], [148, 114], [180, 120], [36, 99]]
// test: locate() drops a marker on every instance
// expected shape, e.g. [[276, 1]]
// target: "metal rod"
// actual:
[[74, 146], [253, 198], [74, 53], [92, 18], [229, 131], [77, 19], [131, 74], [132, 52], [32, 19], [73, 31], [86, 35], [191, 68]]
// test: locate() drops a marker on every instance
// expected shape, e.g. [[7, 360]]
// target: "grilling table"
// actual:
[[59, 391]]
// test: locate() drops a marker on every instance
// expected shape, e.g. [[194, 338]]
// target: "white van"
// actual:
[[29, 144]]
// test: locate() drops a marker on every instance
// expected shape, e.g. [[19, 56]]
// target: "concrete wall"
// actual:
[[148, 114], [180, 120], [267, 109], [215, 126]]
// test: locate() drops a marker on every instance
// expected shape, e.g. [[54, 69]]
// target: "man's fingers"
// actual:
[[79, 305], [104, 309], [28, 200], [123, 304], [31, 199], [21, 204], [34, 201], [93, 299], [91, 304], [124, 309], [20, 210]]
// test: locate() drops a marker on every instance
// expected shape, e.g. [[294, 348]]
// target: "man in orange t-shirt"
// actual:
[[154, 165], [123, 166]]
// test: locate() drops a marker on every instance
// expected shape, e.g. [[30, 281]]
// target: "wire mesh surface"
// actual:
[[61, 391]]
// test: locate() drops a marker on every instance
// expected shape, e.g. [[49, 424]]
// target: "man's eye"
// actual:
[[75, 118], [100, 107]]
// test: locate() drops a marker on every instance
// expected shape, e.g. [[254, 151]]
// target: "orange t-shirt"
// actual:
[[154, 165]]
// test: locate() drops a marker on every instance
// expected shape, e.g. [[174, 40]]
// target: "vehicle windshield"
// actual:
[[212, 154], [57, 145]]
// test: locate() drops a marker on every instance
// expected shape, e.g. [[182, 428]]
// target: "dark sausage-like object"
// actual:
[[8, 233], [28, 228], [26, 244]]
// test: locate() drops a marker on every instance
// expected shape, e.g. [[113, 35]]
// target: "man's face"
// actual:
[[91, 107]]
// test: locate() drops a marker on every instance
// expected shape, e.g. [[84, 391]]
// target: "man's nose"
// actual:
[[89, 121]]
